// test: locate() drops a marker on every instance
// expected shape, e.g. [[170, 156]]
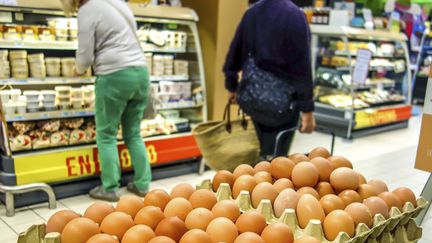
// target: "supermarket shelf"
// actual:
[[52, 45], [50, 115], [169, 78], [179, 107], [348, 68], [163, 50], [347, 53], [40, 81]]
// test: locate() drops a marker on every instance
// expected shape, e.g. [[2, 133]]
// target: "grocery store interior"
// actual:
[[364, 174]]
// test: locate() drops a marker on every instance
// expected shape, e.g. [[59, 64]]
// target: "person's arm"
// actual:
[[233, 63], [86, 42], [303, 69]]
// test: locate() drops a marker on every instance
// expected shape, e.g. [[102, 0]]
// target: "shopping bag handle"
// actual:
[[227, 117]]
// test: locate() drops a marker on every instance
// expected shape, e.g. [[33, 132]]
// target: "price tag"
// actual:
[[361, 68]]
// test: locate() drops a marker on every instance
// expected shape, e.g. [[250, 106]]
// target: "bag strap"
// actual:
[[128, 20], [227, 118]]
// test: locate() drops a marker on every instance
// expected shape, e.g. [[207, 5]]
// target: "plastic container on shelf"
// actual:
[[5, 69], [32, 95], [16, 55], [63, 98], [170, 114], [166, 87], [63, 90], [15, 95], [77, 93], [50, 108], [37, 57], [20, 74], [88, 92], [48, 103], [48, 95], [46, 33], [33, 104], [19, 63], [64, 105], [33, 110], [53, 66], [10, 108], [21, 107], [68, 67], [77, 103], [4, 54], [5, 96]]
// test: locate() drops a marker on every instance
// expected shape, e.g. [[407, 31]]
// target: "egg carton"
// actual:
[[398, 228], [36, 234]]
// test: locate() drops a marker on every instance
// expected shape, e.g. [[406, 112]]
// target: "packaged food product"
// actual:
[[23, 127], [32, 95], [49, 126], [50, 107], [29, 32], [48, 95], [33, 104], [5, 96], [60, 138], [67, 67], [74, 123], [46, 33], [63, 90], [4, 69], [53, 67], [17, 55], [77, 93], [21, 107], [40, 139], [37, 57], [77, 103], [12, 32], [10, 108], [77, 136], [21, 142], [90, 130], [15, 94]]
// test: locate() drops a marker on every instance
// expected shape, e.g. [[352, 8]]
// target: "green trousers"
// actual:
[[121, 98]]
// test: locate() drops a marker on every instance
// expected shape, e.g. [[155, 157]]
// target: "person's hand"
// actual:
[[232, 97], [308, 122]]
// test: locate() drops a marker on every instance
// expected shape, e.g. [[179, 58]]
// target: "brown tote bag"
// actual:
[[226, 144]]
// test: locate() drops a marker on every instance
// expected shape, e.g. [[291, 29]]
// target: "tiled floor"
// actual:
[[389, 156]]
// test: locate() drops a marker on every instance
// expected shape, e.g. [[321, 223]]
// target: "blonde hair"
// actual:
[[70, 6]]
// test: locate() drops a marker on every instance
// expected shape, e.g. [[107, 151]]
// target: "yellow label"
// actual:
[[367, 119]]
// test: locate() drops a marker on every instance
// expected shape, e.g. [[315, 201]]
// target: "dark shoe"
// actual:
[[101, 194], [131, 187]]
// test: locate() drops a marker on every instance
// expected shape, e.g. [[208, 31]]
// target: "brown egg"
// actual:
[[179, 207], [227, 209], [199, 218], [307, 239], [377, 206], [379, 185], [336, 222], [173, 227], [130, 204], [324, 168], [243, 169], [262, 191], [277, 232], [183, 190], [309, 208], [405, 195], [308, 190], [350, 196], [251, 221], [263, 176], [305, 174], [117, 223], [298, 158], [223, 176], [249, 237], [288, 198], [366, 191], [203, 199], [138, 234], [262, 166], [102, 238], [57, 221], [195, 236], [222, 230], [158, 198], [283, 184], [150, 216], [281, 167], [319, 152], [339, 162], [360, 213], [343, 179], [362, 179], [324, 188], [162, 239], [391, 200], [98, 211], [243, 183], [79, 230], [331, 202]]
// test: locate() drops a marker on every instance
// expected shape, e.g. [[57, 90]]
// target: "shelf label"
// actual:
[[361, 68], [75, 163], [375, 117], [424, 150]]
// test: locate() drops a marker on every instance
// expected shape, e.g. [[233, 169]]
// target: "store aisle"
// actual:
[[389, 156]]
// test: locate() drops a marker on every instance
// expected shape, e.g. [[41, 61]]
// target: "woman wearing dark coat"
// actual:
[[279, 34]]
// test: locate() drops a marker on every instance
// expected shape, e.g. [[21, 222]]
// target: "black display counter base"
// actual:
[[83, 185]]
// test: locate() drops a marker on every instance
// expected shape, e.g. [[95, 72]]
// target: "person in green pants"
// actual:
[[107, 41]]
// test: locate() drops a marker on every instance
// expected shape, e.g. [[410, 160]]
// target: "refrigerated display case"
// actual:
[[48, 129], [421, 73], [379, 103]]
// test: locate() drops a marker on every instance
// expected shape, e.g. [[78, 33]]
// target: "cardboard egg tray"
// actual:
[[398, 228]]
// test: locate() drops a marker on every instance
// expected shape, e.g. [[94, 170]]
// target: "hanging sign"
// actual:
[[424, 150]]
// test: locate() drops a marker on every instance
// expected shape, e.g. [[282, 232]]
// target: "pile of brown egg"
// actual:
[[318, 186]]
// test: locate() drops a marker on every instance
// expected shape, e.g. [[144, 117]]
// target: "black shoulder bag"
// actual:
[[267, 98]]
